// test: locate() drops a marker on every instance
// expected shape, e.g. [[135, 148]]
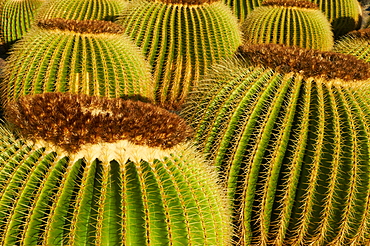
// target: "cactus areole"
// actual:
[[291, 3]]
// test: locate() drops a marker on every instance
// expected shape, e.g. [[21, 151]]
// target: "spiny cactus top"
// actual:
[[181, 39], [91, 57], [146, 187], [289, 130], [356, 43], [81, 9], [288, 22], [16, 17]]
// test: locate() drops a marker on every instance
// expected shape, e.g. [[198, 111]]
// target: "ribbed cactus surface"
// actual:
[[81, 9], [344, 15], [16, 17], [180, 41], [292, 140], [90, 57], [356, 43], [109, 193], [242, 8], [288, 22]]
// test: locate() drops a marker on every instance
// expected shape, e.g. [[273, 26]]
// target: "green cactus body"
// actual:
[[180, 41], [242, 8], [91, 61], [16, 17], [356, 43], [108, 193], [298, 23], [344, 15], [293, 146], [107, 10]]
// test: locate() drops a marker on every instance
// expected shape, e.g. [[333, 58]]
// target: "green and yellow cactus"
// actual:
[[356, 43], [242, 8], [181, 38], [82, 170], [288, 128], [288, 22], [107, 10], [344, 15], [16, 18], [91, 57]]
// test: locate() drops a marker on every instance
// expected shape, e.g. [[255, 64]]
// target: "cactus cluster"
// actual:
[[289, 22], [129, 190], [181, 39], [288, 129]]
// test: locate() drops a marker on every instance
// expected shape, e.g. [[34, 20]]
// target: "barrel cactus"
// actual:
[[81, 9], [288, 22], [181, 38], [289, 130], [356, 43], [16, 17], [89, 56], [82, 170], [242, 8], [344, 15]]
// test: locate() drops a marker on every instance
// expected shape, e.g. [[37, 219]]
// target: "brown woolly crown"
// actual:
[[80, 26], [307, 62], [187, 2], [362, 33], [72, 120], [291, 3]]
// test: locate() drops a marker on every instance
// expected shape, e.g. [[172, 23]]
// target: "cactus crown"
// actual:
[[187, 2], [307, 62], [362, 33], [81, 26], [72, 120], [291, 3]]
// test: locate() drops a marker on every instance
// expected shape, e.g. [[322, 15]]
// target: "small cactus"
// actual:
[[288, 22], [90, 57], [107, 10], [16, 17], [288, 128], [98, 171], [181, 38]]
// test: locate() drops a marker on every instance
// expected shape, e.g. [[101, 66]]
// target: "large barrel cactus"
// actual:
[[181, 38], [344, 15], [98, 171], [288, 22], [289, 130], [89, 56], [81, 9], [356, 43], [16, 17]]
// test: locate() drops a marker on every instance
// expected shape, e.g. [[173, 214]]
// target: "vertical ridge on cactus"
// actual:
[[95, 59], [289, 132], [242, 8], [181, 41]]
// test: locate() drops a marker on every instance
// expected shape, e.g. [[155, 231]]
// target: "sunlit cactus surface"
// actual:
[[288, 128], [96, 182], [356, 43]]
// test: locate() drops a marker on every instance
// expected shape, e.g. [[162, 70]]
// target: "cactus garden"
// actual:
[[184, 123]]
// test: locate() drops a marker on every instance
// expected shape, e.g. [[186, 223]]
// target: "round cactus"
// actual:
[[242, 8], [289, 130], [97, 171], [16, 17], [107, 10], [356, 43], [90, 57], [344, 15], [288, 22], [181, 38]]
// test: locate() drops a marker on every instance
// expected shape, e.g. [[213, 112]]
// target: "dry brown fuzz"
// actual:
[[187, 2], [70, 121], [291, 3], [362, 33], [307, 62], [80, 26]]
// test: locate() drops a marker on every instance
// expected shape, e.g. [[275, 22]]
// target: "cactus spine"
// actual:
[[288, 22], [109, 193], [106, 10], [16, 17], [291, 136], [181, 39], [90, 57]]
